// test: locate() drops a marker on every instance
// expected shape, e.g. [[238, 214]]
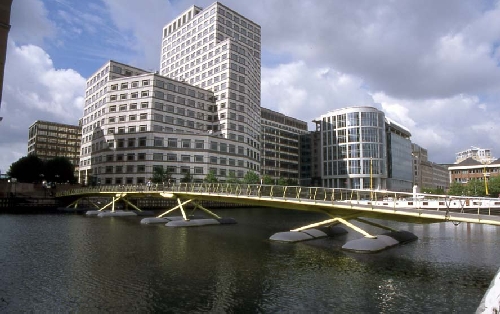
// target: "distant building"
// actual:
[[280, 145], [470, 169], [51, 139], [480, 154], [427, 174]]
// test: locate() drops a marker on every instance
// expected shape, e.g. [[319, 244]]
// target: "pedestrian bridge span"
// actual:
[[340, 204]]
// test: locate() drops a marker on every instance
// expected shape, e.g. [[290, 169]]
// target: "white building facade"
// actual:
[[201, 115], [218, 49]]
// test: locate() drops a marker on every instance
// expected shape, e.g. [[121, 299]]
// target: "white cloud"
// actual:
[[30, 23], [306, 92], [35, 90]]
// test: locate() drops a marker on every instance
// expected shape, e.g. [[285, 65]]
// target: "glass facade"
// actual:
[[354, 146]]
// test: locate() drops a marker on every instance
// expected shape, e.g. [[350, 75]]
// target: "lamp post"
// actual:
[[486, 175], [371, 178]]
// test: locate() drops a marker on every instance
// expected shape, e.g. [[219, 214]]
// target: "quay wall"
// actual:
[[491, 301]]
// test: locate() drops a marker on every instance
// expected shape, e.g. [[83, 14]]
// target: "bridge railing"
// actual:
[[317, 194]]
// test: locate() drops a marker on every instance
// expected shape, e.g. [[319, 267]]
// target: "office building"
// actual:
[[427, 174], [50, 139], [218, 49], [199, 114], [310, 159], [362, 149], [353, 143], [281, 145], [138, 121], [399, 157]]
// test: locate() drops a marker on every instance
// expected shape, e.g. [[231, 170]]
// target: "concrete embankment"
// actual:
[[491, 301]]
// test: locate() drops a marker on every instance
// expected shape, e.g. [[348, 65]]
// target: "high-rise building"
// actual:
[[201, 115], [50, 139], [281, 145], [219, 50]]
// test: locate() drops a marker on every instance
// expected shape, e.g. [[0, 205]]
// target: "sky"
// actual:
[[432, 66]]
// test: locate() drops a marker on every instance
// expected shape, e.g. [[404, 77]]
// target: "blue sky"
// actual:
[[432, 66]]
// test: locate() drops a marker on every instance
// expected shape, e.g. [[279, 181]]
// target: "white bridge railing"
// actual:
[[312, 194]]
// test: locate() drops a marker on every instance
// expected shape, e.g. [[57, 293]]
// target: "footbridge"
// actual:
[[343, 206]]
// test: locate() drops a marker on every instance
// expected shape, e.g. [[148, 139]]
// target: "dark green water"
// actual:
[[73, 263]]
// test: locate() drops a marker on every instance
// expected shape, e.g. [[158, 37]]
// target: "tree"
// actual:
[[282, 181], [494, 186], [187, 177], [27, 169], [232, 178], [475, 188], [59, 169], [251, 178], [456, 189], [266, 179], [211, 178], [160, 175]]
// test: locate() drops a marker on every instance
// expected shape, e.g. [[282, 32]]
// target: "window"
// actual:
[[186, 143], [158, 156], [143, 116], [143, 128], [185, 158], [198, 170], [198, 144], [213, 159], [172, 142], [158, 142], [171, 157], [142, 142], [130, 157], [198, 158]]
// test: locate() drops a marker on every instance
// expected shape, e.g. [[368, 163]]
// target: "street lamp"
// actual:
[[486, 175]]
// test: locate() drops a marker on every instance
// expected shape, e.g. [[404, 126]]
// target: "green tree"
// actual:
[[187, 177], [266, 179], [456, 188], [251, 178], [211, 178], [27, 169], [160, 175], [475, 188], [59, 169], [282, 181], [494, 186], [232, 178]]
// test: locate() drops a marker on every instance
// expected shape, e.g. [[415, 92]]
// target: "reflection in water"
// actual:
[[72, 263]]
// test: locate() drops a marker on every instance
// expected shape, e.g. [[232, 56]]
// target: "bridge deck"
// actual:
[[406, 207]]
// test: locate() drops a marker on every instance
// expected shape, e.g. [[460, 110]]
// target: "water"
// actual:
[[73, 263]]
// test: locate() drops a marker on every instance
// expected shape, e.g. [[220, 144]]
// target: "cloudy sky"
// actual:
[[433, 66]]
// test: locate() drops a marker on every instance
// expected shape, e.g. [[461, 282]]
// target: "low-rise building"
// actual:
[[51, 139]]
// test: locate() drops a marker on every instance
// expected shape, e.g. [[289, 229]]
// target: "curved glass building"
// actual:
[[354, 145], [361, 149]]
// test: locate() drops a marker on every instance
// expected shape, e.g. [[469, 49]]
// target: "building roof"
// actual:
[[469, 162], [496, 162]]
